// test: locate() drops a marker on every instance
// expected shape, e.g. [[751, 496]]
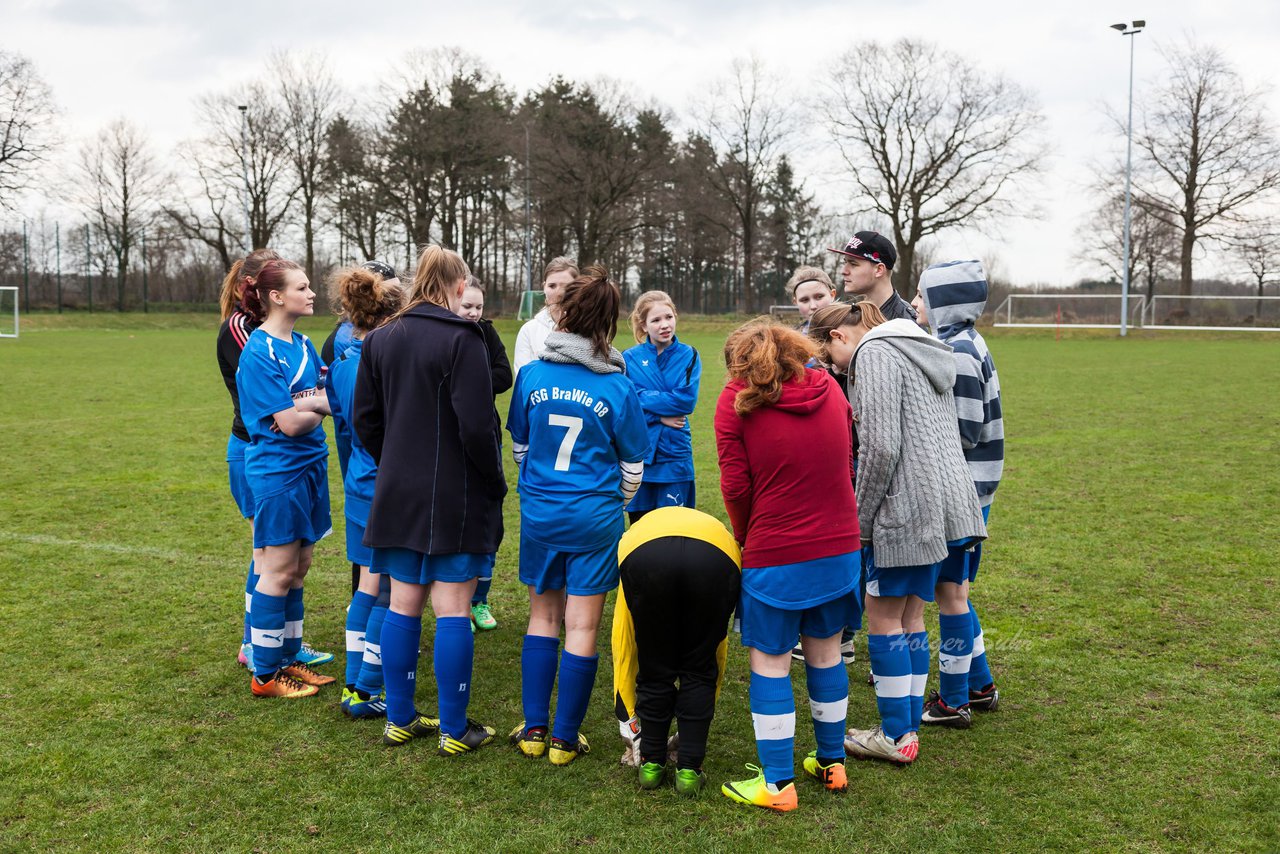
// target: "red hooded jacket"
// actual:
[[786, 473]]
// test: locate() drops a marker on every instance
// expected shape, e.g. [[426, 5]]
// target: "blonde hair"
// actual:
[[828, 318], [560, 264], [640, 313], [365, 297], [439, 269], [764, 354], [808, 274]]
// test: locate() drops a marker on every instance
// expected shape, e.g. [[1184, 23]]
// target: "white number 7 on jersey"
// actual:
[[570, 439]]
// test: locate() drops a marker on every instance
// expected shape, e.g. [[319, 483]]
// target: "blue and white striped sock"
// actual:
[[891, 669], [370, 679], [292, 625], [979, 671], [829, 705], [357, 622], [267, 629], [454, 649], [955, 648], [918, 647], [250, 584], [773, 714]]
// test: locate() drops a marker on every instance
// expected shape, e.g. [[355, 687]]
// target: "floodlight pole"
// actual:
[[528, 217], [244, 161], [1125, 30]]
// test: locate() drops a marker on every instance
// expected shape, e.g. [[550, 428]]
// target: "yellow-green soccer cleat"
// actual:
[[563, 752], [757, 793], [530, 742], [394, 736], [474, 738], [652, 775]]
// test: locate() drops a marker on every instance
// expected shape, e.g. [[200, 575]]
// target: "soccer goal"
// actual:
[[1083, 311], [531, 302], [784, 312], [8, 311], [1227, 313]]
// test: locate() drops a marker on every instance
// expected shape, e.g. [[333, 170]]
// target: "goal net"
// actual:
[[1084, 311], [1242, 313], [8, 311], [531, 302]]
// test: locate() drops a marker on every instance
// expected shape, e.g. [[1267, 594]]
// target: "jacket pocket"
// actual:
[[892, 512]]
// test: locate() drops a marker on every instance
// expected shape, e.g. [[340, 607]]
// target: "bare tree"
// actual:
[[311, 100], [1153, 242], [1207, 149], [118, 182], [26, 125], [749, 122], [272, 185], [210, 212], [930, 140], [1258, 245]]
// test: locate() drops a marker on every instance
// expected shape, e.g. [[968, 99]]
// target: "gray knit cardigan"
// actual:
[[913, 487]]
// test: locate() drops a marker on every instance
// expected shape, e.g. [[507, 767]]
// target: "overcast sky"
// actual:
[[148, 61]]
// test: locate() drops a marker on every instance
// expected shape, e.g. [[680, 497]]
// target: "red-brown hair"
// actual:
[[243, 269], [270, 278], [764, 354]]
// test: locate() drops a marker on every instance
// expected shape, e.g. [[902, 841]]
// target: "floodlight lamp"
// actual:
[[1137, 25], [1119, 27]]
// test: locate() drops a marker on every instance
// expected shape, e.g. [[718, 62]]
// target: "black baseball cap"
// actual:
[[872, 246], [382, 268]]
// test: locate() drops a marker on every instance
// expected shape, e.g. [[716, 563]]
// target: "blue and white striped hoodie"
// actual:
[[955, 294]]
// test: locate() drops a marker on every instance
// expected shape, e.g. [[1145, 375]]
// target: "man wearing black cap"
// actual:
[[868, 259]]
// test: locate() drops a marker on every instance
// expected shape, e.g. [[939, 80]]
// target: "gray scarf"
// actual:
[[568, 349]]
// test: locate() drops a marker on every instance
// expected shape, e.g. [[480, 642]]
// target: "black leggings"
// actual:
[[681, 592]]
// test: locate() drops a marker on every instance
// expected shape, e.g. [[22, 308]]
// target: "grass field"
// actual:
[[1129, 597]]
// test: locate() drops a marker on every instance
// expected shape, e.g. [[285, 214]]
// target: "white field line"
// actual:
[[92, 545]]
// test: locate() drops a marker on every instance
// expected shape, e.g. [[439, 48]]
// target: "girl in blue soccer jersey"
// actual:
[[666, 373], [579, 437], [423, 408], [286, 464], [367, 299], [233, 334]]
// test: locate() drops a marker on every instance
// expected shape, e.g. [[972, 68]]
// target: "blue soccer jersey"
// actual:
[[578, 426], [272, 374], [362, 471]]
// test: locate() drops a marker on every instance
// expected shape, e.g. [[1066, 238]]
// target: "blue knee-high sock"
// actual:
[[250, 584], [400, 637], [891, 668], [773, 713], [538, 662], [370, 679], [829, 704], [918, 646], [454, 648], [577, 677], [292, 625], [955, 648], [267, 613], [482, 591], [357, 621], [979, 671]]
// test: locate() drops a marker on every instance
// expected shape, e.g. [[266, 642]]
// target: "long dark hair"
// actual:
[[270, 278], [590, 307]]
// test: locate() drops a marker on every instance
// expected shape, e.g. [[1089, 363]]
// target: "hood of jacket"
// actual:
[[934, 358], [955, 295], [801, 396], [569, 349]]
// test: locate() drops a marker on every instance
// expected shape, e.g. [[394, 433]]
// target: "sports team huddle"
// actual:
[[858, 453]]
